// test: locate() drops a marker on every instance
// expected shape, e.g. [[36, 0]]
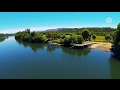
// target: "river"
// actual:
[[24, 60]]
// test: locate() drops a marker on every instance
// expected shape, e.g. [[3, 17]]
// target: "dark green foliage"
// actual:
[[62, 41], [63, 36], [108, 37], [118, 27], [80, 39], [67, 41], [27, 30], [99, 31], [2, 37], [116, 42], [34, 47], [86, 34], [18, 35], [66, 36], [94, 36], [30, 36], [38, 38], [73, 39]]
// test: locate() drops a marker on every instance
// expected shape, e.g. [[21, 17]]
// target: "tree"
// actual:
[[63, 36], [80, 39], [116, 41], [2, 37], [49, 35], [73, 39], [107, 37], [94, 36], [117, 35], [86, 34], [118, 27], [33, 33], [27, 30], [18, 35], [67, 42], [92, 32]]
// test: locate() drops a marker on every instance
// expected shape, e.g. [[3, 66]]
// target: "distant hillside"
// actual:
[[94, 29]]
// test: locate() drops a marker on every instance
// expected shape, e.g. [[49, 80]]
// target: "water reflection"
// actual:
[[76, 52], [2, 39], [51, 48], [114, 68], [33, 46], [38, 46]]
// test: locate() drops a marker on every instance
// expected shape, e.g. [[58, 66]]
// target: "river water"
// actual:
[[24, 60]]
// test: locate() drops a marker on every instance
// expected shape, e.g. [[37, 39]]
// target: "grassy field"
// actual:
[[100, 39]]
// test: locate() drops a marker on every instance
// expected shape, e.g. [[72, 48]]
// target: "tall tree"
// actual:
[[27, 30], [86, 34], [107, 37], [80, 39], [73, 39], [94, 36], [116, 41]]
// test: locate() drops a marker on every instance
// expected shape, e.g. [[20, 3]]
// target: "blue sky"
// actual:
[[11, 22]]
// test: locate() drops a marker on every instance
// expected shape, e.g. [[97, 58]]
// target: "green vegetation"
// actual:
[[30, 36], [108, 37], [116, 41], [94, 37], [2, 37], [100, 39], [70, 36], [43, 37], [86, 34], [66, 36]]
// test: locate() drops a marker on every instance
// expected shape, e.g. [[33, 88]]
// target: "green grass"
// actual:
[[100, 39]]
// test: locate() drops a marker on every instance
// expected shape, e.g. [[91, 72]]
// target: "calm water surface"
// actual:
[[23, 60]]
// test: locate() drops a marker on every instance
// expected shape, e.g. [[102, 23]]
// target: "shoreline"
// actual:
[[102, 46]]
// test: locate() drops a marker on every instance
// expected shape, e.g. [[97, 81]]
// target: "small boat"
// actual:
[[52, 44]]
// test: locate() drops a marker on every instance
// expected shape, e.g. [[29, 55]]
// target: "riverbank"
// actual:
[[101, 46]]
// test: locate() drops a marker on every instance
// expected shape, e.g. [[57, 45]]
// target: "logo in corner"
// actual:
[[109, 20]]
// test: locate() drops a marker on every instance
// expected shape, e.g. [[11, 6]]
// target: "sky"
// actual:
[[12, 22]]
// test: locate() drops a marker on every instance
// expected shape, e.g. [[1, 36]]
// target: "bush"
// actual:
[[56, 41], [61, 41], [67, 42]]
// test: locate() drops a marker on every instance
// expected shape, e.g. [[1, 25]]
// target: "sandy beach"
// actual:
[[101, 46]]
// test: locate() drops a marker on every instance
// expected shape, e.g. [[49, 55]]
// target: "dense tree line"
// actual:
[[96, 30], [30, 36], [65, 37], [2, 37], [43, 37]]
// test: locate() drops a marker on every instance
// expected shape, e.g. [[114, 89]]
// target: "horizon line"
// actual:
[[46, 28]]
